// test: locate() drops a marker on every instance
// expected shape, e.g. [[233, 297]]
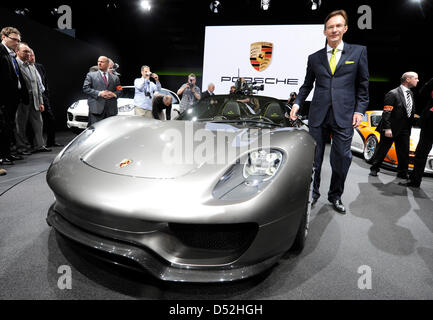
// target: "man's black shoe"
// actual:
[[402, 176], [13, 157], [313, 202], [338, 206], [42, 149], [24, 153], [373, 173], [409, 183], [55, 144]]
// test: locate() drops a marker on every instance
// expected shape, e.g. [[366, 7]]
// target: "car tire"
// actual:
[[302, 233], [370, 148]]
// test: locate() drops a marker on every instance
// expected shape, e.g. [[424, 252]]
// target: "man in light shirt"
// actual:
[[144, 92]]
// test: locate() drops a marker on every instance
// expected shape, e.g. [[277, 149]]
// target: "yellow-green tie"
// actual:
[[333, 61]]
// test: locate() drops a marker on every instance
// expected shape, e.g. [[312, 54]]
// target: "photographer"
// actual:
[[292, 98], [190, 93], [160, 103], [144, 92]]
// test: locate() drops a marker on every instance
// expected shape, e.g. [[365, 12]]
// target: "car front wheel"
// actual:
[[370, 148], [301, 235]]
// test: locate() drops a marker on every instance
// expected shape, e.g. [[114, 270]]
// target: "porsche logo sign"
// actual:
[[261, 55]]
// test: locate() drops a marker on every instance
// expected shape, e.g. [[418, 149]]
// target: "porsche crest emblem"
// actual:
[[125, 163], [261, 55]]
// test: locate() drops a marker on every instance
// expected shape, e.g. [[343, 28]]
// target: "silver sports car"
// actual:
[[219, 194]]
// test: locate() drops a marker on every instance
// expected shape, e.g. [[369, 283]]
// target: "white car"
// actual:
[[78, 112]]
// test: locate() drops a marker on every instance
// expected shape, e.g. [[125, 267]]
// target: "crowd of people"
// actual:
[[24, 102]]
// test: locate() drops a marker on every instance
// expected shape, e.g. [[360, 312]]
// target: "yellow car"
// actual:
[[366, 138]]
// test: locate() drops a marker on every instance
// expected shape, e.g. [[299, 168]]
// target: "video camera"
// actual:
[[247, 87]]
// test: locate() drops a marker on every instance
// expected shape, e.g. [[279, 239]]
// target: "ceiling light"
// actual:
[[315, 4], [265, 4], [145, 5], [215, 6]]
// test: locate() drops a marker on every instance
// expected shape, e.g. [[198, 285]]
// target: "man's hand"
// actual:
[[107, 94], [388, 133], [293, 112], [357, 119], [42, 108]]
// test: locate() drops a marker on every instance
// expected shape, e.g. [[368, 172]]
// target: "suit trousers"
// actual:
[[340, 157], [6, 132], [27, 113], [422, 150], [401, 147], [49, 125]]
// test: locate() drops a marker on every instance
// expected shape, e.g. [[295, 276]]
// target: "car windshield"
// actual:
[[258, 109]]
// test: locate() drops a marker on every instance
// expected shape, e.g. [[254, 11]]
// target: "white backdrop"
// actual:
[[227, 48]]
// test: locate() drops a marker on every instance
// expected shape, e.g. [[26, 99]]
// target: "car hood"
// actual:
[[169, 149]]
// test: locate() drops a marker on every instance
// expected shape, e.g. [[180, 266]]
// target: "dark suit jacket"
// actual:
[[93, 84], [205, 94], [346, 90], [10, 95], [46, 93], [394, 115], [426, 119]]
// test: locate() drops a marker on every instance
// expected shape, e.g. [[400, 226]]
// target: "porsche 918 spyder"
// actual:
[[366, 139], [219, 194]]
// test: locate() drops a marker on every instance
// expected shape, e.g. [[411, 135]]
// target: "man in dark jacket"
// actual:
[[396, 124], [48, 114], [161, 102], [13, 91], [425, 140]]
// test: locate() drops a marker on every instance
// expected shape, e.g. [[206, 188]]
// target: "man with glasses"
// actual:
[[340, 74], [13, 91], [30, 112]]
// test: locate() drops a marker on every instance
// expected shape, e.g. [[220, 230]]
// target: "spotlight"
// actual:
[[22, 12], [215, 6], [265, 4], [145, 5], [54, 11], [315, 4], [112, 5]]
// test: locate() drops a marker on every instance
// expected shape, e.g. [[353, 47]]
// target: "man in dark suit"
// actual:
[[340, 73], [425, 140], [103, 89], [13, 91], [209, 91], [49, 120], [396, 124]]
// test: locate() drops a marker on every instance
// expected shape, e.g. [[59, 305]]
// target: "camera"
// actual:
[[190, 84], [246, 87], [147, 94]]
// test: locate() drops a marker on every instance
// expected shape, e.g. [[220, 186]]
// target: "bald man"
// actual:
[[396, 125], [102, 89]]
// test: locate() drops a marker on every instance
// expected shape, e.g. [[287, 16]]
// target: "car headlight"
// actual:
[[262, 165], [126, 108], [74, 105], [251, 174]]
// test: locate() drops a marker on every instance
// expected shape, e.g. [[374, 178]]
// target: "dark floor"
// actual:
[[388, 228]]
